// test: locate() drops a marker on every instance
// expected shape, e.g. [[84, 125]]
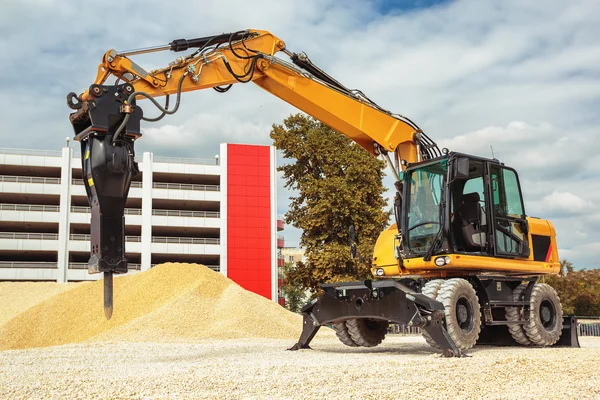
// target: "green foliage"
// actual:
[[295, 294], [339, 184], [579, 290]]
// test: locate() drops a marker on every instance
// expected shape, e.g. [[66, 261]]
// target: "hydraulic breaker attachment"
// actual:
[[385, 300], [108, 167], [498, 335]]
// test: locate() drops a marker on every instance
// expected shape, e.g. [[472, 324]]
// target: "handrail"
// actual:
[[28, 236], [156, 239]]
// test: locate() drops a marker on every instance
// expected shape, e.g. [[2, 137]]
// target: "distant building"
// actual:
[[219, 212], [292, 254]]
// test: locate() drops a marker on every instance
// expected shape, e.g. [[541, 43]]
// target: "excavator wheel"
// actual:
[[463, 315], [546, 316], [341, 331], [516, 314], [431, 290], [367, 332]]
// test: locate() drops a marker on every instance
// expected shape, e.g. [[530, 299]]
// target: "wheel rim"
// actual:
[[547, 315], [464, 314]]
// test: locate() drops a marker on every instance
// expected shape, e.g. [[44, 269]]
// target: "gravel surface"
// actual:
[[260, 368]]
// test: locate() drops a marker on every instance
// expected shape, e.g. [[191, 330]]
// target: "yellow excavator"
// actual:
[[462, 259]]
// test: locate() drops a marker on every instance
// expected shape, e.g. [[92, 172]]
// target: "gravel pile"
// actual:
[[402, 367], [17, 297], [173, 301]]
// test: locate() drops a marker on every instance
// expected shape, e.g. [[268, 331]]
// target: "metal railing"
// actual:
[[28, 236], [27, 264], [134, 184], [156, 239], [29, 207], [185, 213], [589, 329], [165, 213], [87, 237], [85, 266], [29, 179], [185, 240], [186, 186], [202, 161]]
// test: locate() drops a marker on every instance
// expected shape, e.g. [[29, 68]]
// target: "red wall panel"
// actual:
[[249, 216]]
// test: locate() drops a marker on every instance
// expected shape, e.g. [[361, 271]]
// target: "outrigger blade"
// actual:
[[381, 300]]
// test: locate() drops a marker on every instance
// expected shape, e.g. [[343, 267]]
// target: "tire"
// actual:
[[546, 316], [367, 332], [341, 331], [431, 290], [463, 314], [516, 314]]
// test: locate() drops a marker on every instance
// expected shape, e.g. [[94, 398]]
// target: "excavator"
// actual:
[[461, 260]]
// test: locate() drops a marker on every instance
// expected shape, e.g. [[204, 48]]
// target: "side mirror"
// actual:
[[461, 168]]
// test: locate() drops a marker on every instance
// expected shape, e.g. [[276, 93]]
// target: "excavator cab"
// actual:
[[462, 204]]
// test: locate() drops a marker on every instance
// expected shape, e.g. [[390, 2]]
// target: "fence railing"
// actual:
[[134, 184], [589, 329], [158, 212], [27, 264], [85, 266], [186, 186], [202, 161], [29, 207], [87, 237], [29, 179]]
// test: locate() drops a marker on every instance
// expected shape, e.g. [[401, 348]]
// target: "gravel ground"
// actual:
[[259, 368]]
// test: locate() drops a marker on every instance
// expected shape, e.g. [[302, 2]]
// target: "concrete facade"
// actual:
[[174, 213]]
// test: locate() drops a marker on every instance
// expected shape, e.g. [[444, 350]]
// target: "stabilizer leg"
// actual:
[[435, 329], [309, 330]]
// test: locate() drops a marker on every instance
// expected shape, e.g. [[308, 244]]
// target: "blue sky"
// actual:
[[519, 75]]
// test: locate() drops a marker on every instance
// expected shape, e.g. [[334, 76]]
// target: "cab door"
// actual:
[[509, 223]]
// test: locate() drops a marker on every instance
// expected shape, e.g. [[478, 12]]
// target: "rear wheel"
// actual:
[[546, 316], [516, 314], [367, 332], [341, 331], [431, 290], [463, 316]]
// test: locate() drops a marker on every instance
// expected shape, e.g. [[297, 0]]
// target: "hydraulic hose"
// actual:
[[149, 97]]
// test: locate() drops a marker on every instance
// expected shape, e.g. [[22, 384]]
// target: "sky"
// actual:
[[519, 77]]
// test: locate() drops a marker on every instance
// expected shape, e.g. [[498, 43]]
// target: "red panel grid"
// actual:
[[249, 217]]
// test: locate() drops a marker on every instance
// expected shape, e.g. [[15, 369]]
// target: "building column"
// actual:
[[147, 211], [274, 249], [223, 209], [64, 228]]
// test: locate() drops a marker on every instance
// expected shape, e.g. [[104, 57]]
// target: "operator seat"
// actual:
[[472, 222]]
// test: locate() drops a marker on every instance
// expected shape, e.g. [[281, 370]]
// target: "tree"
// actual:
[[579, 290], [338, 184], [295, 294]]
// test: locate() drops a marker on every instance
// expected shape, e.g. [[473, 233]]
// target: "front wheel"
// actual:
[[463, 315], [367, 332], [545, 316]]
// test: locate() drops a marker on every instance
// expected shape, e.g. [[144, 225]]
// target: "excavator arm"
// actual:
[[107, 123]]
